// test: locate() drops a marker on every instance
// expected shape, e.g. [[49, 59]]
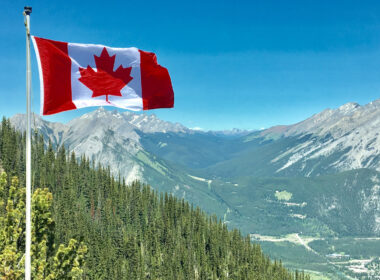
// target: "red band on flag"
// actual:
[[82, 75], [55, 64], [157, 91]]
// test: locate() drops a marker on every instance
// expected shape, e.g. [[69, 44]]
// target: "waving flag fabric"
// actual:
[[81, 75]]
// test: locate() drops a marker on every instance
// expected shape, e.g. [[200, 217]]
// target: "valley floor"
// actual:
[[326, 258]]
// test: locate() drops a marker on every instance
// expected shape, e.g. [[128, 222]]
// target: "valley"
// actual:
[[309, 193]]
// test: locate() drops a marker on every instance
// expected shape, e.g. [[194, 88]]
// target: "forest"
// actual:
[[89, 224]]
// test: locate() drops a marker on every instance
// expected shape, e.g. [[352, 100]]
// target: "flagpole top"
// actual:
[[27, 10]]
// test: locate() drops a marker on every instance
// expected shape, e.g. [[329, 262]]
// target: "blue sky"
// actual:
[[244, 64]]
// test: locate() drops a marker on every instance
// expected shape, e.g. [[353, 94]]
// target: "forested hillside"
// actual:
[[131, 231]]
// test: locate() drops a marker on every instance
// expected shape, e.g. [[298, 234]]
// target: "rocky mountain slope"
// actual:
[[314, 163], [332, 141], [351, 128], [107, 137]]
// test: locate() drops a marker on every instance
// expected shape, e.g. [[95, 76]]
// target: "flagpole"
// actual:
[[28, 228]]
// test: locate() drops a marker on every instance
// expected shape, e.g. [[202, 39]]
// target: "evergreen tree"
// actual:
[[47, 263], [131, 232]]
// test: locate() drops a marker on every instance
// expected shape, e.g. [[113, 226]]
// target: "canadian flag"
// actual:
[[81, 75]]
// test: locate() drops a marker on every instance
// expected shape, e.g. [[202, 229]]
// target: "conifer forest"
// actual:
[[88, 224]]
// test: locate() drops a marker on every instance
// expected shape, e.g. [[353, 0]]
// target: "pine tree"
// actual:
[[47, 263], [131, 232]]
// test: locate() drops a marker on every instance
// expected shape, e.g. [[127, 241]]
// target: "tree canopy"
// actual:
[[114, 230]]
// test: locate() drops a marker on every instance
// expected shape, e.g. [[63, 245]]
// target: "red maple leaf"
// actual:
[[105, 81]]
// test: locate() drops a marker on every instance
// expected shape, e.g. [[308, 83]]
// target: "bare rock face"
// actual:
[[350, 131], [107, 137]]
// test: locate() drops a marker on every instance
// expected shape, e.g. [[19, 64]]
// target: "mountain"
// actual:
[[199, 165], [334, 140], [106, 137], [90, 225], [235, 132], [314, 181], [114, 139]]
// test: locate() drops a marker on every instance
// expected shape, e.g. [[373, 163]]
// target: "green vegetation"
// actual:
[[131, 232], [323, 206], [356, 248], [330, 258], [48, 263], [283, 195], [141, 155]]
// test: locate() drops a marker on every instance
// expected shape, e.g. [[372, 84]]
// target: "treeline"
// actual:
[[131, 231]]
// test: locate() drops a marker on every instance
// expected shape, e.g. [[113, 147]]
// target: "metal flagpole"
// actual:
[[28, 228]]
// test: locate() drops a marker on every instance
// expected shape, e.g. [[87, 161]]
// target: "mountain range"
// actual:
[[319, 178], [236, 174]]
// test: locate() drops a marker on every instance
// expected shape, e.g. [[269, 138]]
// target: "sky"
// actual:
[[233, 64]]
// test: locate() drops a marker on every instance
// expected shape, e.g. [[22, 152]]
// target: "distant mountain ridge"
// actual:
[[332, 141], [350, 127], [203, 166]]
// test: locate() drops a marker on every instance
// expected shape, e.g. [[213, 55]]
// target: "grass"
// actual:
[[295, 256], [357, 249], [314, 275], [155, 165], [283, 195]]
